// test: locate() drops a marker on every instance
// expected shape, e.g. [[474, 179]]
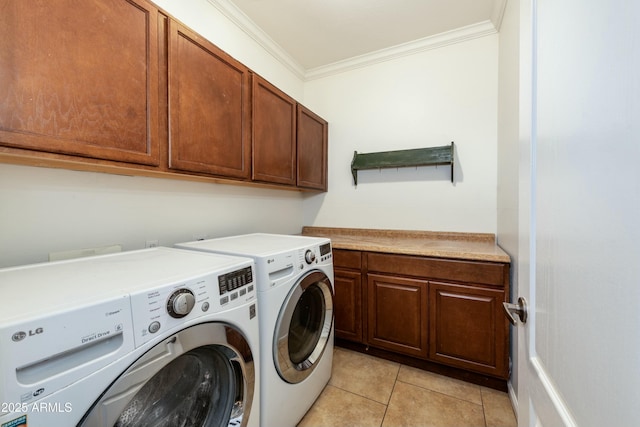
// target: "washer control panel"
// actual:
[[317, 254], [309, 256], [235, 285], [325, 252], [180, 303], [158, 310]]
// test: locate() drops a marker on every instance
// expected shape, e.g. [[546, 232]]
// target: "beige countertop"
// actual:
[[468, 246]]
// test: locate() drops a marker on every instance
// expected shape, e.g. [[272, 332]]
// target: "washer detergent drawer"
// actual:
[[44, 355]]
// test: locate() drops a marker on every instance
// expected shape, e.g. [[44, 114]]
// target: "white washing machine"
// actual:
[[161, 337], [295, 297]]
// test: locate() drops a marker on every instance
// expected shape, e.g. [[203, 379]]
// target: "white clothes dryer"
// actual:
[[161, 337], [295, 297]]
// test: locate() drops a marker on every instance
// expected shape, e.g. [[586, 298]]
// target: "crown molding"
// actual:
[[497, 14], [242, 21], [428, 43]]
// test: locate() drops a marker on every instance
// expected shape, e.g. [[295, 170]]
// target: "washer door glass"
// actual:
[[196, 389], [202, 376], [304, 327]]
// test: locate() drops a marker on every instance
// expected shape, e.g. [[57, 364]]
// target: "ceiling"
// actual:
[[324, 33]]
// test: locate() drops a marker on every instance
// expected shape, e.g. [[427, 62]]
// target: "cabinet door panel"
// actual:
[[348, 305], [477, 272], [80, 78], [274, 137], [347, 259], [397, 314], [312, 138], [468, 328], [208, 107]]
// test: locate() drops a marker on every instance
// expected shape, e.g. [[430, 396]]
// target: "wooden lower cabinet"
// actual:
[[397, 314], [439, 311], [349, 297], [467, 328], [348, 312]]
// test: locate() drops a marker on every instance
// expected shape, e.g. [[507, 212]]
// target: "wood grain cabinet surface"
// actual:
[[274, 134], [80, 78], [121, 86], [312, 144], [467, 328], [348, 304], [209, 107], [438, 310], [397, 314], [348, 295]]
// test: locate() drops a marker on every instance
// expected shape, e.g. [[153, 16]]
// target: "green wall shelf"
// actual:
[[432, 156]]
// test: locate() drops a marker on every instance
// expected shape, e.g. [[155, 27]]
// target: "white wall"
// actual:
[[508, 154], [423, 100], [48, 210]]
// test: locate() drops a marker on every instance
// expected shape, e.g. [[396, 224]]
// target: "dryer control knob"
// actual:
[[180, 303], [309, 256]]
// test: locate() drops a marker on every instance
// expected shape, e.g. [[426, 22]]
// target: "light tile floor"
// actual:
[[370, 392]]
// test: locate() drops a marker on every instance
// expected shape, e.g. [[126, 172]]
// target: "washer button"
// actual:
[[205, 306], [154, 327]]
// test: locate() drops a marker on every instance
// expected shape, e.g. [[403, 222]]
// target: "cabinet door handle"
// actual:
[[519, 309]]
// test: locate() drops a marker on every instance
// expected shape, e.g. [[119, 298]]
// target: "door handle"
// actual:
[[519, 309]]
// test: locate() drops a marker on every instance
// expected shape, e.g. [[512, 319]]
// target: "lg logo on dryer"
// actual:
[[19, 336]]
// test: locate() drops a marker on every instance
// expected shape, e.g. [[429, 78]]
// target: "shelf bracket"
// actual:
[[431, 156]]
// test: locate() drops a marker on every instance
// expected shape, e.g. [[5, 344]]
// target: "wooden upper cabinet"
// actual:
[[119, 84], [209, 107], [274, 134], [312, 135], [80, 78]]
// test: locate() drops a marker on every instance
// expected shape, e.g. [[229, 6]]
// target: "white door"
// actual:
[[579, 266]]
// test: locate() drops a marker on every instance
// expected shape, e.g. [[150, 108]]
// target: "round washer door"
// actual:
[[303, 327], [203, 376]]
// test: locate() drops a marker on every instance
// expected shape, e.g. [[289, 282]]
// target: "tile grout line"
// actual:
[[395, 383], [386, 407], [484, 412], [443, 394], [359, 395]]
